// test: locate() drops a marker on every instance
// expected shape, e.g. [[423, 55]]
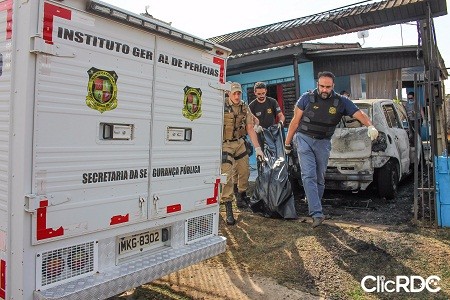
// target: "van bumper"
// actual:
[[123, 277]]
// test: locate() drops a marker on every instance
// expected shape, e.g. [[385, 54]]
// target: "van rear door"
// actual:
[[93, 102]]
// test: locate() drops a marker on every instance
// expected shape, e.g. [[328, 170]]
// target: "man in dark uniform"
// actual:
[[316, 115], [265, 109]]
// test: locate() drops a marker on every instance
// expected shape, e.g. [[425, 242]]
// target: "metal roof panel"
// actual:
[[343, 20]]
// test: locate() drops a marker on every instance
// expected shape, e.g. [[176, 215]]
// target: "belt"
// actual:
[[316, 137], [233, 140]]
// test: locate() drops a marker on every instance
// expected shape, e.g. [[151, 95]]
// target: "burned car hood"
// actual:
[[350, 143]]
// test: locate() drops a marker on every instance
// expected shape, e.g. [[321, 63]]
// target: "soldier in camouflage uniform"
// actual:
[[238, 122]]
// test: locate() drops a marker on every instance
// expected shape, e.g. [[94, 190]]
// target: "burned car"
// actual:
[[355, 161]]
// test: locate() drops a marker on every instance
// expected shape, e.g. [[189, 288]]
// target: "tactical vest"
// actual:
[[320, 116], [234, 123]]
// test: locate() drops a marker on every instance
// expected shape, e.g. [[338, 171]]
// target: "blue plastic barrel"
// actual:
[[442, 171]]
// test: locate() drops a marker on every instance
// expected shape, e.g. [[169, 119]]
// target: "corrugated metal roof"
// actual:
[[278, 56], [342, 61], [310, 46], [366, 60], [330, 23]]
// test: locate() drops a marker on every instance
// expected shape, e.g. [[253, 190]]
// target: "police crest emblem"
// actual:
[[102, 90], [192, 108], [332, 111]]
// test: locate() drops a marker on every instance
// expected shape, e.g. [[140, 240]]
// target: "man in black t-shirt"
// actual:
[[265, 109]]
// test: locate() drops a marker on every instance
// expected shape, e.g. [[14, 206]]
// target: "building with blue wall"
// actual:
[[290, 71]]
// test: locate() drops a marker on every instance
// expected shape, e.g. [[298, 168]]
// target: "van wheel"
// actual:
[[387, 179]]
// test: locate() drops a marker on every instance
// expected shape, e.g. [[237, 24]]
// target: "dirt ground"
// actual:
[[270, 258]]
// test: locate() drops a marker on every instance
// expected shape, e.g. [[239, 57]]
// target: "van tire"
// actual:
[[387, 179]]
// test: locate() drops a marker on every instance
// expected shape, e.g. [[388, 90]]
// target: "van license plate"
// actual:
[[139, 242]]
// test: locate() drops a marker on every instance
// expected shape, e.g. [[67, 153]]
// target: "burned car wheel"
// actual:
[[387, 179]]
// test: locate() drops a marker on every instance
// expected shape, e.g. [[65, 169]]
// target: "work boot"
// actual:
[[242, 200], [229, 210]]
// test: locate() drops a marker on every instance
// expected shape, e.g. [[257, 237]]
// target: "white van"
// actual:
[[110, 149]]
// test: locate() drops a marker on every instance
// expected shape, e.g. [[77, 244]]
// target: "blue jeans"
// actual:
[[313, 155]]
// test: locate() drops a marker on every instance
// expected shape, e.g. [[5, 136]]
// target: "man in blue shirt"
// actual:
[[316, 115]]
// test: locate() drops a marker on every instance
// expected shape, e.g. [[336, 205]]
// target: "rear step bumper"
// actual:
[[114, 281]]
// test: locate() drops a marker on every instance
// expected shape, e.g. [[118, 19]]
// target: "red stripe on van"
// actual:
[[51, 11], [214, 198], [7, 5], [173, 208], [119, 219], [2, 279], [42, 232]]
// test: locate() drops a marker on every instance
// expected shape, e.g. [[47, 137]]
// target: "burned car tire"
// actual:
[[387, 179]]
